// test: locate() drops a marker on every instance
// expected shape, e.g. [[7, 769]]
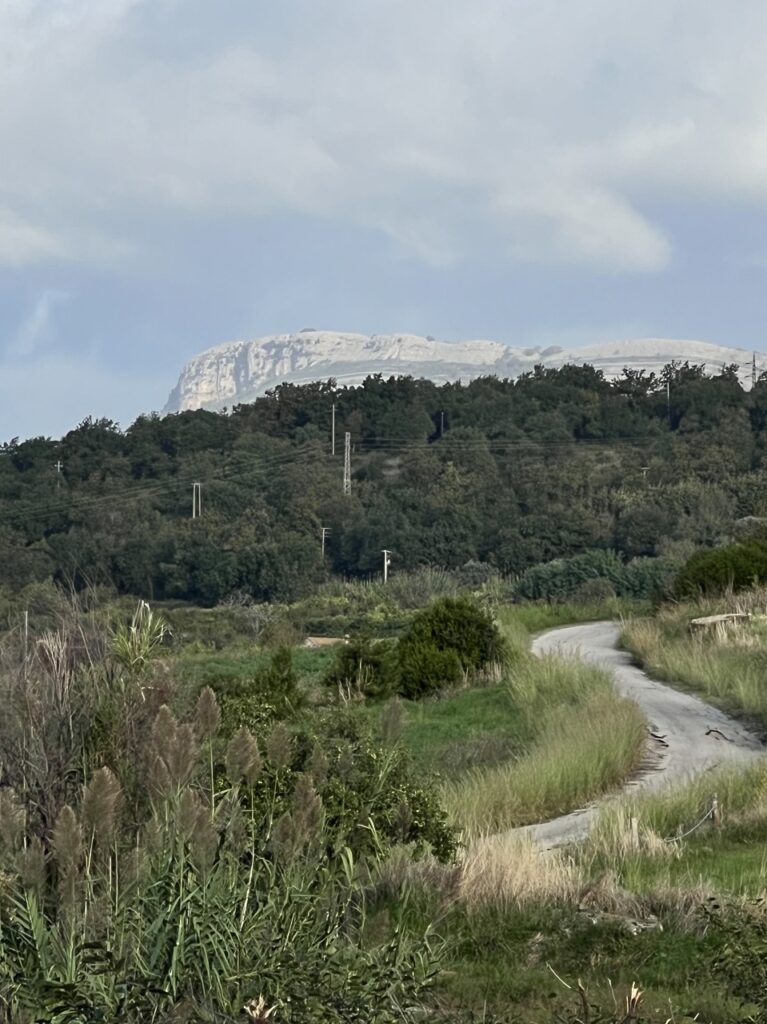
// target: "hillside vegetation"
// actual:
[[491, 476]]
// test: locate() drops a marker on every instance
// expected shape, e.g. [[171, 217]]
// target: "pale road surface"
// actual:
[[681, 719]]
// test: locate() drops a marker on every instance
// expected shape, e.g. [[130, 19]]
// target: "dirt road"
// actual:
[[694, 736]]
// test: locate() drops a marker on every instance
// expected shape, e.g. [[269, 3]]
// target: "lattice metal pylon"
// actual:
[[347, 463]]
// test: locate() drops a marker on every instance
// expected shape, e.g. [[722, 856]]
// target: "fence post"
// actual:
[[716, 813]]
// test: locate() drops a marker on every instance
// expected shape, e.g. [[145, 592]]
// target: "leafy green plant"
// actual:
[[451, 636], [135, 644], [734, 567]]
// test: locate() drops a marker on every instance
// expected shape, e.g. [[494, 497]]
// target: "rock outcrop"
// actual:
[[240, 371]]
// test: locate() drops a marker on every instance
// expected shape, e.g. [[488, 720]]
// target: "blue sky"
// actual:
[[177, 173]]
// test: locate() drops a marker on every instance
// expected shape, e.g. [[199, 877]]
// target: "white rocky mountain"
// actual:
[[240, 371]]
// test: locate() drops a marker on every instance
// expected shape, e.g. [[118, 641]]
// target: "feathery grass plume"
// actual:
[[189, 809], [164, 729], [68, 848], [158, 778], [176, 747], [197, 829], [243, 760], [101, 807], [318, 765], [230, 821], [307, 809], [207, 714], [284, 838], [181, 756], [31, 865], [391, 723], [13, 820], [279, 746]]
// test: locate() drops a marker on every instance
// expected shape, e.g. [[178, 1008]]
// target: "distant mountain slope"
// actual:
[[240, 371]]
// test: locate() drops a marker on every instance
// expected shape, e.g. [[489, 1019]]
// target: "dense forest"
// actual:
[[504, 473]]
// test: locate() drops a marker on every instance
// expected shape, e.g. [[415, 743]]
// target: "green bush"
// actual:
[[451, 636], [424, 668], [736, 566], [365, 666], [568, 577], [270, 695]]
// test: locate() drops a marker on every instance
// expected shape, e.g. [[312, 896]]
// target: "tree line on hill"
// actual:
[[511, 474]]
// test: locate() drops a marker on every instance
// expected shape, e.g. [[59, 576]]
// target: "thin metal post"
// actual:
[[347, 463]]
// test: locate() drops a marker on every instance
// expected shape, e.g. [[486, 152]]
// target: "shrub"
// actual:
[[268, 696], [365, 666], [452, 635], [566, 577], [736, 566], [424, 669]]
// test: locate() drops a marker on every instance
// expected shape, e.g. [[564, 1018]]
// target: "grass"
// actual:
[[198, 669], [583, 739], [727, 664], [466, 729], [514, 915], [535, 616]]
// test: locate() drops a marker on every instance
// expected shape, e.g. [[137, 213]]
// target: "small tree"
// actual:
[[452, 635]]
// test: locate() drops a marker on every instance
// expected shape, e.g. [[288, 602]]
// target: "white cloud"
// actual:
[[556, 125]]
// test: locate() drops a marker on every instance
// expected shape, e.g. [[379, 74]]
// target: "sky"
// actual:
[[179, 173]]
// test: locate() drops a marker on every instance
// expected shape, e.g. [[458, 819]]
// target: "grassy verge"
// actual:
[[684, 920], [582, 739], [726, 663], [535, 616]]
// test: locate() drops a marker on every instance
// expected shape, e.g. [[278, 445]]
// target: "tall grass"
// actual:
[[664, 814], [726, 663], [192, 875], [587, 739], [535, 616]]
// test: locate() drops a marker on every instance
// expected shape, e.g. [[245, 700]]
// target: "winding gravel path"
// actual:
[[695, 736]]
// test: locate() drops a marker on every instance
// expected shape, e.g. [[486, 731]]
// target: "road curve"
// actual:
[[696, 736]]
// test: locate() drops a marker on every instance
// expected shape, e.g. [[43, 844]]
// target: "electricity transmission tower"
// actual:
[[386, 564], [347, 463], [333, 431], [58, 466], [325, 532], [196, 500]]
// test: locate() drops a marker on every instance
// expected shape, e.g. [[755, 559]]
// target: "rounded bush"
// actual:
[[451, 636]]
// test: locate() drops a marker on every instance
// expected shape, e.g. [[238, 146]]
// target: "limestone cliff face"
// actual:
[[240, 371]]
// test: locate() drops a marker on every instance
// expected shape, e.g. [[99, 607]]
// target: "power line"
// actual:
[[86, 503]]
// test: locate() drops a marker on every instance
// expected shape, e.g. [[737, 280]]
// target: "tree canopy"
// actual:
[[508, 473]]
